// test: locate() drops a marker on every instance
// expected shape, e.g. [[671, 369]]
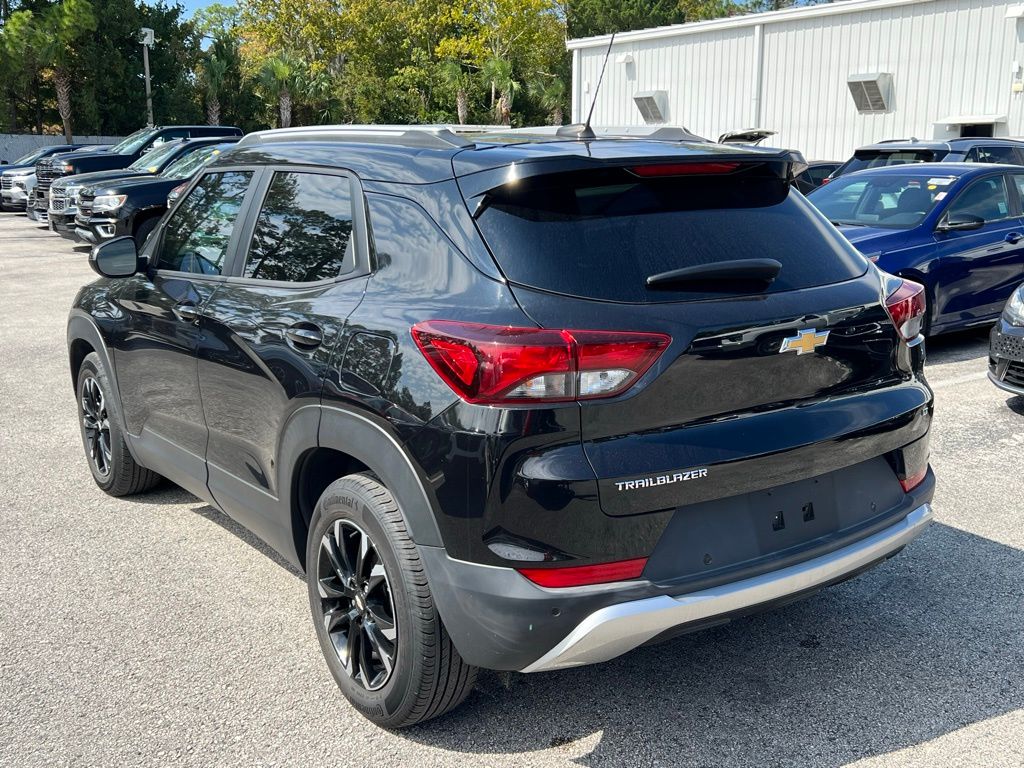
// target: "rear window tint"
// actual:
[[878, 159], [601, 234]]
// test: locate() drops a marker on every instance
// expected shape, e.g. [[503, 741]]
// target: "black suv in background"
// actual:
[[132, 205], [64, 193], [121, 155], [475, 388], [902, 151]]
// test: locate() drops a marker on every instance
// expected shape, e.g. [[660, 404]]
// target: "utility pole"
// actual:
[[147, 38]]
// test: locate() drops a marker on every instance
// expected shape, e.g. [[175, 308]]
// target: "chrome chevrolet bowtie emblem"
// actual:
[[804, 342]]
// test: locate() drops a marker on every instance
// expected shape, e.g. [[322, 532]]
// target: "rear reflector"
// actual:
[[906, 307], [494, 364], [582, 575], [683, 169], [914, 480]]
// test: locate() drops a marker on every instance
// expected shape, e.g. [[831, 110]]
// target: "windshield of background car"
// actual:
[[30, 158], [880, 159], [132, 143], [601, 234], [890, 200], [152, 160], [184, 167]]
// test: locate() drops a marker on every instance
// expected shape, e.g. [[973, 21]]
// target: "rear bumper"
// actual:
[[614, 630], [500, 620]]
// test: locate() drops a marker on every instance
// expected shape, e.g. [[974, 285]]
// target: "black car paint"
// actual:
[[282, 421]]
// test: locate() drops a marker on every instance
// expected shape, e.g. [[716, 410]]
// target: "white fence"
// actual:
[[14, 145]]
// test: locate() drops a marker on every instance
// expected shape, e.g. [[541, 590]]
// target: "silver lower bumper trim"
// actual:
[[614, 630], [1003, 385]]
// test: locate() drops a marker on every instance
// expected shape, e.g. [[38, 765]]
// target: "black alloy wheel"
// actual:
[[96, 423], [356, 604]]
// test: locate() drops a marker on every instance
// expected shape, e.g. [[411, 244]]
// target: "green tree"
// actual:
[[549, 92], [216, 21], [497, 73], [278, 78], [455, 77], [585, 18], [214, 72]]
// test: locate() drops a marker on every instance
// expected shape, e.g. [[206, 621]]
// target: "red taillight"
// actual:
[[906, 307], [912, 481], [683, 169], [494, 364], [581, 575], [826, 180]]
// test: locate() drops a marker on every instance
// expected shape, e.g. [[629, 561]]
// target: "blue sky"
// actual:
[[192, 5]]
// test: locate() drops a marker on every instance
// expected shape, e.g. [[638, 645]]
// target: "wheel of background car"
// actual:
[[112, 465], [144, 230], [373, 610]]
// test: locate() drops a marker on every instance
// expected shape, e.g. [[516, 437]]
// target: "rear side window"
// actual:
[[197, 235], [601, 234], [995, 154], [877, 159], [304, 229]]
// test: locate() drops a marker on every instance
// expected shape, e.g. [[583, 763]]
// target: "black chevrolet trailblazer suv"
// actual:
[[512, 401]]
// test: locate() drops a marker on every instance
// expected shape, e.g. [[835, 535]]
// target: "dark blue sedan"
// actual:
[[955, 227]]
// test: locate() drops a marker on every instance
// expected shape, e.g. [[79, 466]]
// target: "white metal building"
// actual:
[[827, 78]]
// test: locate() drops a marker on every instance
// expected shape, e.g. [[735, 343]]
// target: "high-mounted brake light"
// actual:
[[582, 575], [494, 364], [906, 307], [683, 169]]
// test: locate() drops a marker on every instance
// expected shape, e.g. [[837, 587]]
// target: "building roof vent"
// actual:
[[653, 106], [871, 93]]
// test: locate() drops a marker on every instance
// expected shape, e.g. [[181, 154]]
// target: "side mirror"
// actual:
[[959, 222], [115, 258]]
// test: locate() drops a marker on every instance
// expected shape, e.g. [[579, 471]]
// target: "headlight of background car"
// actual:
[[1015, 307], [71, 193], [108, 202]]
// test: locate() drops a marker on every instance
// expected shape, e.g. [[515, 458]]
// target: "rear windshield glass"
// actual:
[[602, 234], [877, 159], [889, 200]]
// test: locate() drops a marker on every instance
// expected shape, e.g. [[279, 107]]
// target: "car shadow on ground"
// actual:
[[927, 643], [958, 347]]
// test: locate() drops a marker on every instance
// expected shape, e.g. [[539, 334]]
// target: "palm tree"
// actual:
[[550, 94], [214, 71], [277, 78], [457, 79], [498, 73]]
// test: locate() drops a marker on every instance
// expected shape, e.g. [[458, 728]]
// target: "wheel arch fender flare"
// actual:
[[373, 443]]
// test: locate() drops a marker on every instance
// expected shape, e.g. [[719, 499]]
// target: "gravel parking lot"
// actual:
[[154, 631]]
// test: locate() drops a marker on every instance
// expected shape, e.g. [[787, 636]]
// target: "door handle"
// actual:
[[304, 336], [187, 312], [1013, 238]]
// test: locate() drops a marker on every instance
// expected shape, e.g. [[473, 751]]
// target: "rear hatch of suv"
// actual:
[[879, 157], [799, 386]]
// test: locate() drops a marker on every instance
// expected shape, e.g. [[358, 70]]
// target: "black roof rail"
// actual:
[[420, 136]]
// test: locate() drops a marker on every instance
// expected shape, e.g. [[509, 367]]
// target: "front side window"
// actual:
[[985, 199], [196, 237], [304, 230], [186, 165], [889, 200]]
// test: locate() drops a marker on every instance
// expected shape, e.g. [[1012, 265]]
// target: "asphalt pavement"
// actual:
[[154, 631]]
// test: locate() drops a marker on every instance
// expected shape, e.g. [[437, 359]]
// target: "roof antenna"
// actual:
[[584, 131]]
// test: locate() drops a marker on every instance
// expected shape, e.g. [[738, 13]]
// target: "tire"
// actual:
[[144, 230], [112, 465], [426, 677]]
